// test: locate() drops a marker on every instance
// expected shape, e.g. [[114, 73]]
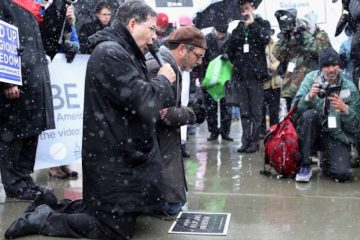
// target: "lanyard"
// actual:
[[246, 33]]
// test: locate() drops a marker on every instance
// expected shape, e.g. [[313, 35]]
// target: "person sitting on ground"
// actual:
[[329, 110]]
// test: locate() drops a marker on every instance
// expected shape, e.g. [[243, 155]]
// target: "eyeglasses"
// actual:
[[152, 28], [197, 55]]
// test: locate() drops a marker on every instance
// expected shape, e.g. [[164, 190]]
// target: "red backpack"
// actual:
[[281, 147]]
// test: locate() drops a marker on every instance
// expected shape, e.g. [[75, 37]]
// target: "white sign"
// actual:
[[10, 64], [63, 145], [302, 6]]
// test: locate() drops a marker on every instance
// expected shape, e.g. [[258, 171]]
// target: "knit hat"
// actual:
[[328, 57], [185, 21], [187, 35], [162, 20]]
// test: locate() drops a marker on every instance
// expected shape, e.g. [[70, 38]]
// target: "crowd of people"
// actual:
[[139, 99]]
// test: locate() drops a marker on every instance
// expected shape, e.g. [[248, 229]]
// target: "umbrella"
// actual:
[[222, 12]]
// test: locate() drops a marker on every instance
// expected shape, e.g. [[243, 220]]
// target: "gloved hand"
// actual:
[[224, 57], [199, 110], [70, 50]]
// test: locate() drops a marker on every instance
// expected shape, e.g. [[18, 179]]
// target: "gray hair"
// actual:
[[136, 9]]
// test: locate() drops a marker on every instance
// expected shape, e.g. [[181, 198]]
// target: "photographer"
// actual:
[[297, 50], [329, 107], [246, 52]]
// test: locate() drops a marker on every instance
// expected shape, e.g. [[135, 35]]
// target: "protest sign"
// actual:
[[10, 64], [62, 145], [201, 223]]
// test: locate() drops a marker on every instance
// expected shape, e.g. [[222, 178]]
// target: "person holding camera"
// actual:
[[329, 110], [297, 50], [246, 52]]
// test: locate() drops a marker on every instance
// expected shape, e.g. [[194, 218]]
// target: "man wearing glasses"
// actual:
[[121, 159], [103, 18], [186, 48]]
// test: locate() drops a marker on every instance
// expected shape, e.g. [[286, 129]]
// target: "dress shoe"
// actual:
[[69, 172], [57, 172], [46, 197], [184, 152], [29, 223], [243, 147], [226, 138], [252, 148], [24, 193], [213, 137]]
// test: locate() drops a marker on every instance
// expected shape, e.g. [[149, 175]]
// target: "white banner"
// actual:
[[63, 145], [10, 64], [302, 6]]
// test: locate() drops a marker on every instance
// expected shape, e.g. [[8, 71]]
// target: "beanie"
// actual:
[[162, 20], [328, 57]]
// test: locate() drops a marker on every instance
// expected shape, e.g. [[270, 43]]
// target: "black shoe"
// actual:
[[242, 148], [29, 223], [226, 138], [252, 148], [184, 152], [24, 193], [213, 137], [46, 197]]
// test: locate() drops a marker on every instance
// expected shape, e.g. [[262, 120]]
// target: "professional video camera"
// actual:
[[286, 19], [326, 89]]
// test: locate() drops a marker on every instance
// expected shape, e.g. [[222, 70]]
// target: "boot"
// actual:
[[254, 147], [243, 147], [184, 152], [46, 197], [29, 223]]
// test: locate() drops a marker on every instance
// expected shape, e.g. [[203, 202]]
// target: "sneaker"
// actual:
[[304, 174]]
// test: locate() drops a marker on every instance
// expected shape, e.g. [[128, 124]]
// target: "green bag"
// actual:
[[218, 72]]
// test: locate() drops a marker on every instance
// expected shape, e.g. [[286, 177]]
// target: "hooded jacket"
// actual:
[[121, 159]]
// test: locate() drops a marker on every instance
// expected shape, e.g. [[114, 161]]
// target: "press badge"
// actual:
[[331, 122], [291, 67], [246, 48]]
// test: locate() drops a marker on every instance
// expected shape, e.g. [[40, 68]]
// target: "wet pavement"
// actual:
[[221, 180]]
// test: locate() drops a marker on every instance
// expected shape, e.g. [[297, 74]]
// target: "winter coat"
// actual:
[[121, 159], [33, 112], [86, 30], [251, 65], [168, 134], [303, 52], [6, 13], [274, 80], [347, 124]]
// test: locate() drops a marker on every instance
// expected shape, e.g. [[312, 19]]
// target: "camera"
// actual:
[[286, 20], [327, 89]]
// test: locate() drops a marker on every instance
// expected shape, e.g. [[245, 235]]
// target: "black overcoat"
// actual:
[[121, 158], [33, 112]]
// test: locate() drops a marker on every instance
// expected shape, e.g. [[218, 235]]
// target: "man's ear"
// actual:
[[131, 25]]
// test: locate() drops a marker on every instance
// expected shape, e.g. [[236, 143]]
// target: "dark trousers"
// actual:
[[212, 115], [313, 136], [288, 102], [72, 219], [251, 96], [271, 102], [17, 160]]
